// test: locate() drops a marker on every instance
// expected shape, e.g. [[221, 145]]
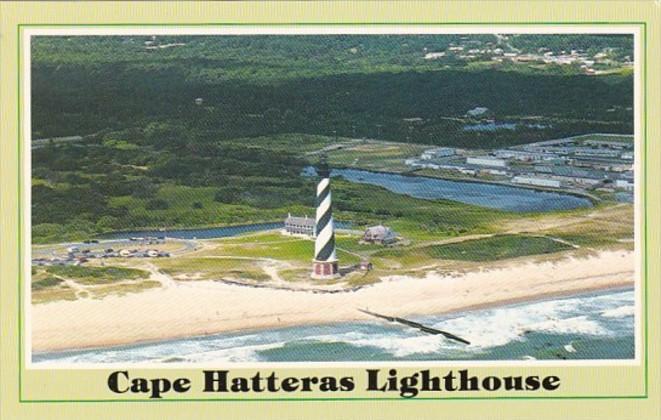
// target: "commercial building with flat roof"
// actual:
[[540, 182], [486, 161]]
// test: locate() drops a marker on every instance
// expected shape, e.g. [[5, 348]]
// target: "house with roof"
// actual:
[[299, 225], [479, 112]]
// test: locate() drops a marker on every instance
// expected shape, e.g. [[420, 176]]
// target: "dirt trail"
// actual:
[[165, 280]]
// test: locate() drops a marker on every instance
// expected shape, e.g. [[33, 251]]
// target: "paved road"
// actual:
[[187, 245]]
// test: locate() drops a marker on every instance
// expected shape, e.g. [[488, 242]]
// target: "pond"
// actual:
[[483, 194]]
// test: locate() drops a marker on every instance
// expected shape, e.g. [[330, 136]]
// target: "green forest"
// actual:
[[262, 85], [195, 131]]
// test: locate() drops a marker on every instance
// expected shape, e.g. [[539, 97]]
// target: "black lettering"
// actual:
[[306, 383], [346, 383], [448, 381], [551, 383], [215, 380], [113, 381], [491, 383], [513, 382], [532, 383], [181, 385], [240, 385], [373, 380], [328, 384], [159, 386], [139, 385], [257, 383], [289, 384], [408, 389], [392, 380], [429, 383], [467, 383], [272, 383]]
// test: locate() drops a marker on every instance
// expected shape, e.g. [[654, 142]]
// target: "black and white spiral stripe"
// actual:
[[324, 246]]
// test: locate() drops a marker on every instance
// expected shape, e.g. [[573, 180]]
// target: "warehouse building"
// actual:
[[624, 184], [523, 155], [539, 182], [437, 153]]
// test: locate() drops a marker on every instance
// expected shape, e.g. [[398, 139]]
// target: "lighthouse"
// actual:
[[324, 265]]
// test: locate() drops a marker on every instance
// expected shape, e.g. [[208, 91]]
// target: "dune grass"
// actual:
[[97, 275], [498, 247], [212, 268]]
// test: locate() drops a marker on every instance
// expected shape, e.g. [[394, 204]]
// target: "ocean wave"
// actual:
[[240, 354], [575, 325], [620, 312], [399, 342], [405, 346]]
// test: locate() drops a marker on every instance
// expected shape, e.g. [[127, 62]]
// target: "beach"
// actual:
[[194, 308]]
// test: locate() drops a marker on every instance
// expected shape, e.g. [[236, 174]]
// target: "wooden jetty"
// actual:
[[416, 325]]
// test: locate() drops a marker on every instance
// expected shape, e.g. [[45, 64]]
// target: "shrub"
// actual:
[[157, 204]]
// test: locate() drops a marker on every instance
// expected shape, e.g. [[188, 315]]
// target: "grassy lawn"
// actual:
[[210, 268], [123, 289], [290, 249], [245, 258], [497, 248], [48, 283], [53, 294], [97, 275], [611, 227], [260, 237], [376, 155], [494, 248], [285, 142], [351, 243], [281, 247]]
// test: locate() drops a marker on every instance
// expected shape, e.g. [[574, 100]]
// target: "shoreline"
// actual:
[[503, 304], [203, 308]]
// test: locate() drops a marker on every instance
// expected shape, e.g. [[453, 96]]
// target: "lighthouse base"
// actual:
[[325, 270]]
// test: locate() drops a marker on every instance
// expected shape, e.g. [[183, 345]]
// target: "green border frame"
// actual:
[[643, 233]]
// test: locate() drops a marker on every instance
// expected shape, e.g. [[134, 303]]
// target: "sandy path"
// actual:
[[206, 307]]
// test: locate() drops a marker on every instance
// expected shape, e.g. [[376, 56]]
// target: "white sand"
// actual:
[[205, 307]]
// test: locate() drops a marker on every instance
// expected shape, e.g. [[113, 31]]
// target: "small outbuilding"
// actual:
[[479, 112], [365, 265]]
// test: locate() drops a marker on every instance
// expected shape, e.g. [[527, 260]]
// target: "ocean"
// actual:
[[590, 326]]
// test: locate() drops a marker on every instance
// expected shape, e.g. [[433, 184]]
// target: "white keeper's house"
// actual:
[[299, 225]]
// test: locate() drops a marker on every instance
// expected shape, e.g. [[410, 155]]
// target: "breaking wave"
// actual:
[[620, 312]]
